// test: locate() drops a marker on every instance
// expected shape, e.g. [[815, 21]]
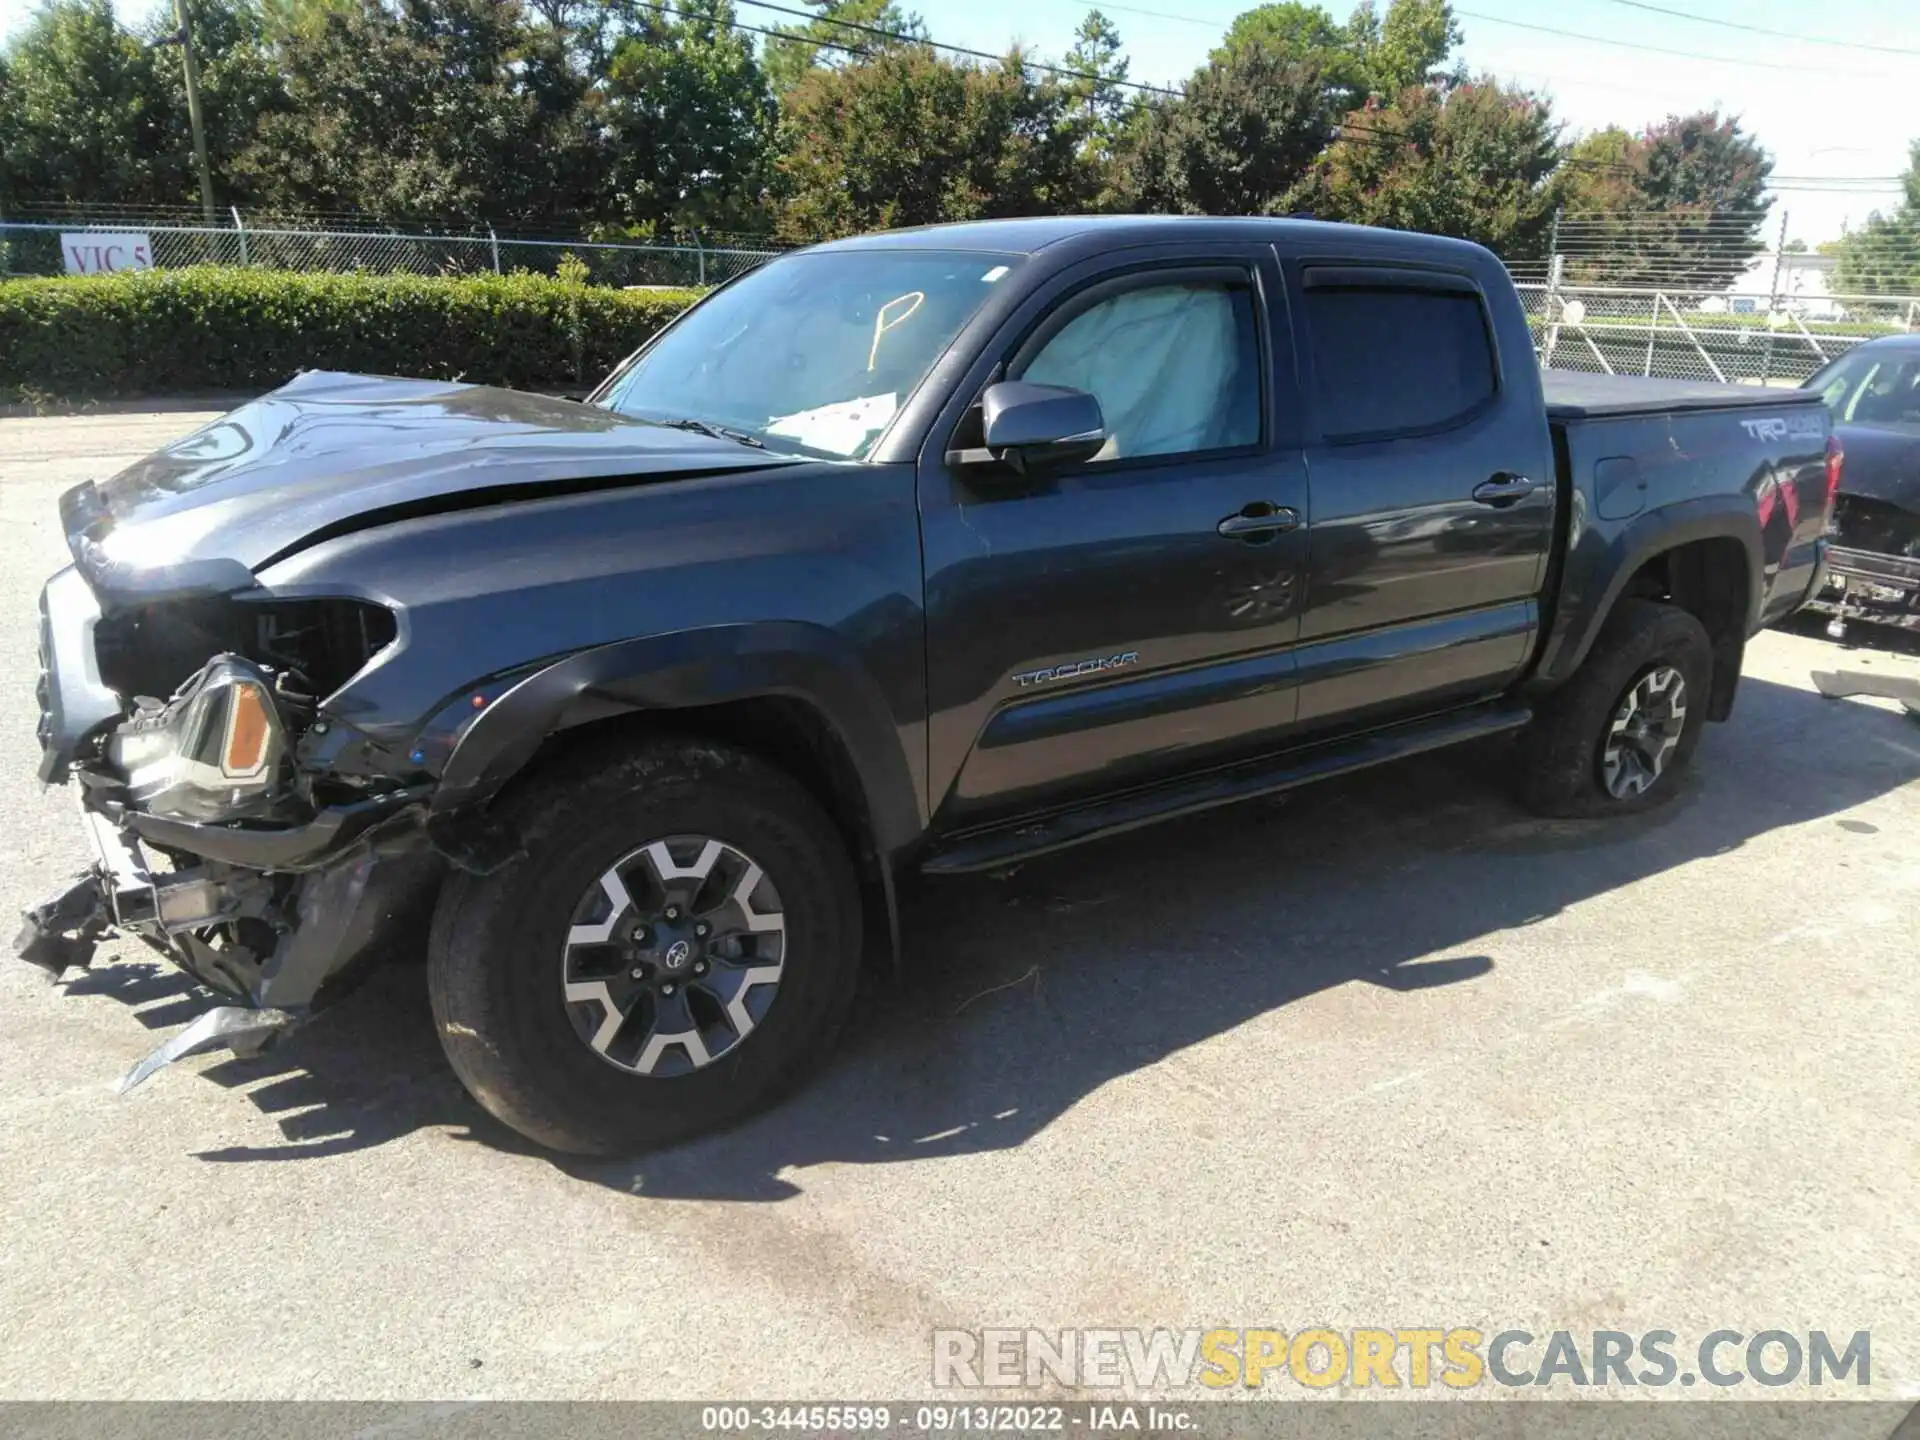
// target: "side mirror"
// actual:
[[1036, 426]]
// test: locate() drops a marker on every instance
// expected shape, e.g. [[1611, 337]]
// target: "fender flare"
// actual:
[[665, 673], [1598, 570]]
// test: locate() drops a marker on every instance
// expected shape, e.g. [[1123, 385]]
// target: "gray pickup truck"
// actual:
[[909, 554]]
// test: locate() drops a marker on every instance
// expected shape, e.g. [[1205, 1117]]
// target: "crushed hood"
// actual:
[[330, 453]]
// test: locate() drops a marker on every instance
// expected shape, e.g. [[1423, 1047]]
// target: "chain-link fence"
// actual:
[[1625, 297], [51, 247], [1732, 337], [1706, 295]]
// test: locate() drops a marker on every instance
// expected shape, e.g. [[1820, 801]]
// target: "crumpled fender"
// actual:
[[709, 666]]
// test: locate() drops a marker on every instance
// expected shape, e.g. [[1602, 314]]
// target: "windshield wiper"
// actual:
[[718, 432]]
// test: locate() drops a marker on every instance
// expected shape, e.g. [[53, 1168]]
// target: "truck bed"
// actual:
[[1581, 395]]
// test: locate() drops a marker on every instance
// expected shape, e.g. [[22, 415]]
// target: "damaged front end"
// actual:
[[225, 835], [1873, 565], [267, 665]]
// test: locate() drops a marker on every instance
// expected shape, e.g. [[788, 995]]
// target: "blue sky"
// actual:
[[1831, 111]]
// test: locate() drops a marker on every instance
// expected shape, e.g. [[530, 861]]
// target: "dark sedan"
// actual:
[[1873, 559]]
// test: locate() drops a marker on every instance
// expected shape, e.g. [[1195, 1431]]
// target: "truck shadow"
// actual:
[[1024, 994]]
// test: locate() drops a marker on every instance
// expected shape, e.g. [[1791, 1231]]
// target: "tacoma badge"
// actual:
[[1075, 668]]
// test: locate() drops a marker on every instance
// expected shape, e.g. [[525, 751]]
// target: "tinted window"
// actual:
[[1176, 368], [1397, 360]]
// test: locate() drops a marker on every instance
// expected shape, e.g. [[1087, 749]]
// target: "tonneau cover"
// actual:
[[1578, 395]]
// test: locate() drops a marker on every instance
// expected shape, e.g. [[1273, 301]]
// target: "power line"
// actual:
[[1763, 30], [1219, 24], [901, 37], [1346, 129], [1664, 50]]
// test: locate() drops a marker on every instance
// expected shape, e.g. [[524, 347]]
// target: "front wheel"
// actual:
[[1615, 738], [679, 939]]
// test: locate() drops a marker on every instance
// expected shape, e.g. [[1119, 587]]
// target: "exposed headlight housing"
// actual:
[[216, 751]]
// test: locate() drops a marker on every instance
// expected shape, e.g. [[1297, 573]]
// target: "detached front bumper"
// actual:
[[281, 944], [268, 936]]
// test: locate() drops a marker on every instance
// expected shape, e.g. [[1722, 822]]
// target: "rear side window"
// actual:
[[1392, 360]]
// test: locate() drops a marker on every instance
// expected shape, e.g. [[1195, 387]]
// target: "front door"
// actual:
[[1115, 622]]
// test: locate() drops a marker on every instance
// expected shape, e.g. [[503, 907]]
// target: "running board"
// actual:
[[1002, 845]]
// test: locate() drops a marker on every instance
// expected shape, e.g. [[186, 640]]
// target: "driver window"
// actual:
[[1176, 368]]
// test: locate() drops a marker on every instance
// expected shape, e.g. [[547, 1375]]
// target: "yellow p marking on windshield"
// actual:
[[913, 300]]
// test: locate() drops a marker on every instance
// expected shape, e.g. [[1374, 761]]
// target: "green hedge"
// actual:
[[181, 332]]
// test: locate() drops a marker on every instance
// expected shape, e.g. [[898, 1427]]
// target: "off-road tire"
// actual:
[[1560, 752], [494, 966]]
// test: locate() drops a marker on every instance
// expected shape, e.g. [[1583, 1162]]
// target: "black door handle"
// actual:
[[1259, 517], [1503, 490]]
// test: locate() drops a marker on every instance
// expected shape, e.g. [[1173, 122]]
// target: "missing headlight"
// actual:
[[324, 643], [316, 645]]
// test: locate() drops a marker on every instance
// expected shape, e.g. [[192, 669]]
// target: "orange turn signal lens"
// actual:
[[249, 728]]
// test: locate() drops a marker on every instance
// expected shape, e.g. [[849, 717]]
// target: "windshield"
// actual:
[[1872, 387], [814, 352]]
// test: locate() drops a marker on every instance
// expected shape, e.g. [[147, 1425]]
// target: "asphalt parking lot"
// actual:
[[1386, 1053]]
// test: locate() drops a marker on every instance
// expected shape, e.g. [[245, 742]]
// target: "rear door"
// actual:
[[1127, 618], [1433, 492]]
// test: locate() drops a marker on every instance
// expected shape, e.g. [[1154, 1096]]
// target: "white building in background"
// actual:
[[1801, 286]]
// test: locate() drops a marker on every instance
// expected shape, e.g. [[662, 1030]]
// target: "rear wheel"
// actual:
[[678, 942], [1615, 738]]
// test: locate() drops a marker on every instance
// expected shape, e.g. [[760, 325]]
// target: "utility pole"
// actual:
[[183, 37]]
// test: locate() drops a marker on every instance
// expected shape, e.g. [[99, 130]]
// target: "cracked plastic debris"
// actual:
[[229, 1027]]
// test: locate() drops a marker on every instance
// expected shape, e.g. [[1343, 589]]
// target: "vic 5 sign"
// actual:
[[99, 252]]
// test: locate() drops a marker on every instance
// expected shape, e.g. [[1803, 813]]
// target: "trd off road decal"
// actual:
[[1780, 427]]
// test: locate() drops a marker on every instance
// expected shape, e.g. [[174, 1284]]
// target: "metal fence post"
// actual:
[[242, 230], [700, 250], [494, 240], [1653, 331], [1554, 268], [1773, 300]]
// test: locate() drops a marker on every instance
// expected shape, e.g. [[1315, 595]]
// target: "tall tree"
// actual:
[[1099, 102], [1476, 161], [447, 111], [1244, 133], [1681, 205], [689, 120], [845, 31], [1291, 33], [910, 138], [1883, 256], [85, 117], [1410, 47]]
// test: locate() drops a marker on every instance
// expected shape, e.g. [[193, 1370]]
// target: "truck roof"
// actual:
[[1030, 235]]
